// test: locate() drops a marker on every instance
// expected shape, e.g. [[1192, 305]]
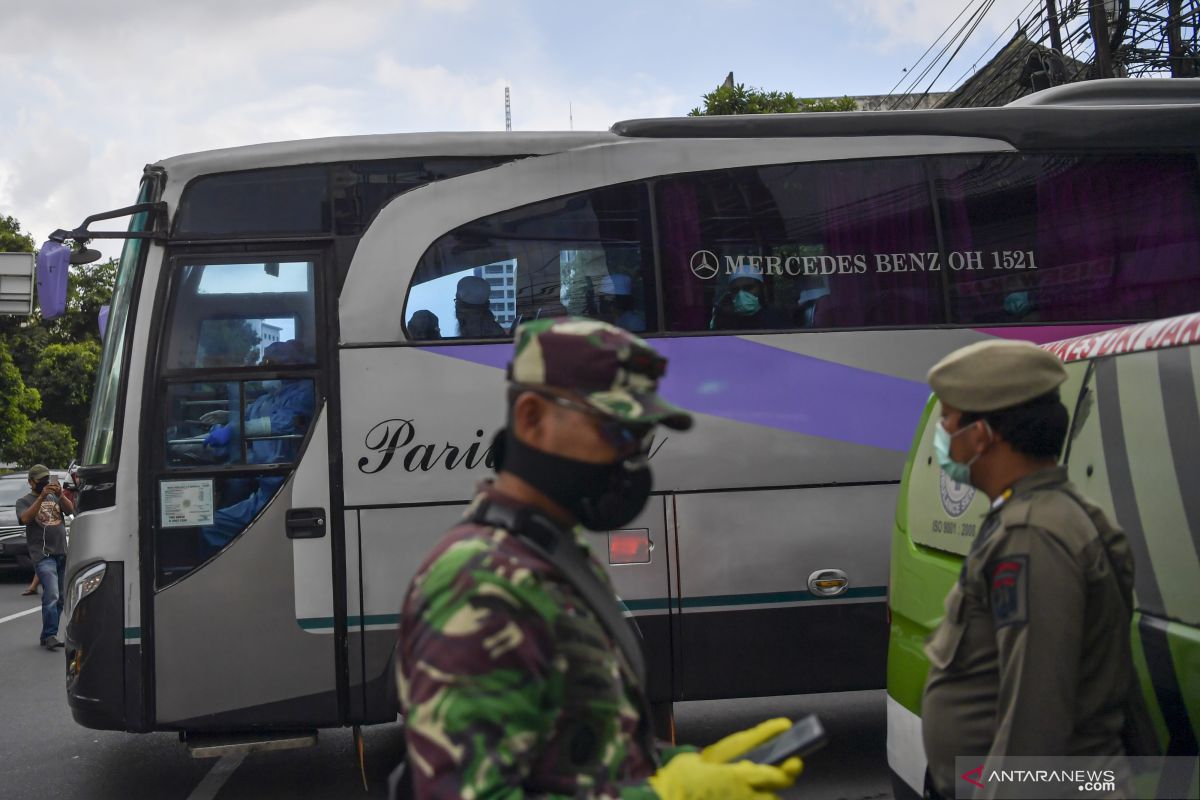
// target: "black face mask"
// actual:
[[601, 496], [42, 484]]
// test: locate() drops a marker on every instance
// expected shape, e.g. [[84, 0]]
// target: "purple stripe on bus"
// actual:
[[755, 383], [489, 355], [748, 382], [1041, 334]]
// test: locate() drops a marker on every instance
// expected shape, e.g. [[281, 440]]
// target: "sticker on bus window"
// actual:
[[185, 504]]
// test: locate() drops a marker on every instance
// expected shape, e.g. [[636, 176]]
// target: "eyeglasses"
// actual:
[[628, 438]]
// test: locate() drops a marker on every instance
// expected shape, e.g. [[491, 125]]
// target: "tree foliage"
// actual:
[[89, 287], [64, 376], [18, 403], [47, 443], [738, 99], [11, 238], [228, 343], [48, 367]]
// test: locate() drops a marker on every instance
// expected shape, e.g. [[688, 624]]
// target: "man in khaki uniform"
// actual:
[[1033, 655]]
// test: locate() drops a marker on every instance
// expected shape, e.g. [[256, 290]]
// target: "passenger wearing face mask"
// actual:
[[1033, 656], [517, 672], [743, 306]]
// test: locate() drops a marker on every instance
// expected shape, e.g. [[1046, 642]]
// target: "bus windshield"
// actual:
[[98, 446]]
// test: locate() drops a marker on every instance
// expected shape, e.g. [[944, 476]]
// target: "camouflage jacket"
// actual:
[[510, 685]]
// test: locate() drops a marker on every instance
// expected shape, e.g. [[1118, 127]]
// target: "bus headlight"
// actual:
[[85, 583]]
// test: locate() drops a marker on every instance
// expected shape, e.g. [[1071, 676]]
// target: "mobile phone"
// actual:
[[805, 737]]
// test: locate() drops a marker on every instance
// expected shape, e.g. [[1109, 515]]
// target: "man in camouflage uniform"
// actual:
[[1033, 656], [510, 681]]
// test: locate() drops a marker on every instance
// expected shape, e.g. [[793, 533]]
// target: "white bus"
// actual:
[[801, 273]]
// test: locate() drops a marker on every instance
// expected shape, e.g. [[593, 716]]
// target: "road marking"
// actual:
[[207, 789], [19, 614]]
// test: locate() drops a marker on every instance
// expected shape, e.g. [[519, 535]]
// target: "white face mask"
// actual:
[[958, 471]]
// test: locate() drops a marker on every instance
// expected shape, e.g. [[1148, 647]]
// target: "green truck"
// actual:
[[1134, 448]]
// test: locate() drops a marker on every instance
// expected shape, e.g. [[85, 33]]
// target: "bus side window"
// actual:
[[1071, 239], [584, 255], [792, 246]]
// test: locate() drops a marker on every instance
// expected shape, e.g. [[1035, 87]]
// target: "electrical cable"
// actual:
[[927, 49], [988, 49], [954, 55], [936, 59]]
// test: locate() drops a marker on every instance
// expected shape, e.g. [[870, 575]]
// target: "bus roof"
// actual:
[[1028, 127], [376, 147], [1156, 335]]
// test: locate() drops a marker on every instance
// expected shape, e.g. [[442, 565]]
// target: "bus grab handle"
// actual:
[[305, 523]]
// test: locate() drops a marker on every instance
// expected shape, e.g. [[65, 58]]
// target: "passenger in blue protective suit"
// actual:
[[285, 410]]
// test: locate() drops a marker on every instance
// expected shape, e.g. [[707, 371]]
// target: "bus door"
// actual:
[[238, 506]]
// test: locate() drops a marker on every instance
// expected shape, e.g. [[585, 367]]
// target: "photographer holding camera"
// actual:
[[42, 513]]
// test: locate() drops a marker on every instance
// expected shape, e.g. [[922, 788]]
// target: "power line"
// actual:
[[950, 61], [992, 44], [966, 29], [935, 41], [915, 77]]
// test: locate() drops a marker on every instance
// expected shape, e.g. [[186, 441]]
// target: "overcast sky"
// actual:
[[95, 90]]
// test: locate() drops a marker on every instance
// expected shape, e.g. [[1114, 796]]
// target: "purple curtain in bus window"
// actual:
[[102, 318], [879, 209], [679, 228], [53, 266], [1119, 239]]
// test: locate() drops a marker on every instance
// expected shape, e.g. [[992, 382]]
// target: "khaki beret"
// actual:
[[995, 374]]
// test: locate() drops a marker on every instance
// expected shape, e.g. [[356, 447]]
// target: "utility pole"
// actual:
[[507, 111], [1182, 65], [1098, 20], [1052, 20]]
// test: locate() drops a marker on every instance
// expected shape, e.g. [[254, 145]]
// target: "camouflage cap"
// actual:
[[998, 373], [611, 370]]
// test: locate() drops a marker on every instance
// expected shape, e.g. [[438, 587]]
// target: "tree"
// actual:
[[228, 343], [731, 98], [49, 366], [17, 403], [11, 238], [90, 286], [64, 375], [48, 443]]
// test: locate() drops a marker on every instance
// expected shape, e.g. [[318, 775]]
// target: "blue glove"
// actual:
[[219, 436]]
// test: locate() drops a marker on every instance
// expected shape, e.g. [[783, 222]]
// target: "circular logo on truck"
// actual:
[[956, 497], [705, 264]]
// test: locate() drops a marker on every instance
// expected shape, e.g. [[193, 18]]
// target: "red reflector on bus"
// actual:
[[629, 547]]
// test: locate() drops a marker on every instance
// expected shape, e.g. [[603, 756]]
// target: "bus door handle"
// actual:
[[305, 523]]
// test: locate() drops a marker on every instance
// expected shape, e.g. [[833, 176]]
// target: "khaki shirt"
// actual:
[[1033, 655]]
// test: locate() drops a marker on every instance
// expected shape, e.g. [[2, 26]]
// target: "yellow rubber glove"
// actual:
[[738, 744], [689, 777]]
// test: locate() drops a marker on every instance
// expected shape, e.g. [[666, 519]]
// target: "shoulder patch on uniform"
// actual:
[[1008, 587]]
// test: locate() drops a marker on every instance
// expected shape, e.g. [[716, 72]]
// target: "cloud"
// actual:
[[130, 83], [450, 100], [896, 23]]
